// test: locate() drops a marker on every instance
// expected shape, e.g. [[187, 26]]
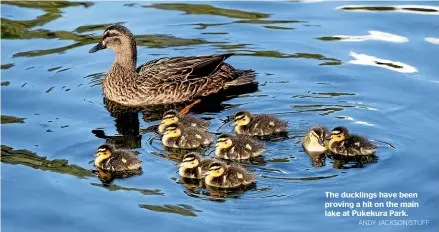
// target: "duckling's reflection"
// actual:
[[346, 162], [106, 177], [197, 189], [318, 159]]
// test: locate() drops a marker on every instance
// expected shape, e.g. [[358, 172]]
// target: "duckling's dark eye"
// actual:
[[239, 118]]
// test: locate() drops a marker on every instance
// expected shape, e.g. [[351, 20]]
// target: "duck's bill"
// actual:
[[98, 47], [321, 142], [96, 154]]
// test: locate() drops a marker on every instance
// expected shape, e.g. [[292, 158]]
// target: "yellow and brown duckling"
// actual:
[[238, 147], [194, 166], [222, 175], [315, 139], [258, 124], [118, 160], [173, 116], [177, 136], [343, 143]]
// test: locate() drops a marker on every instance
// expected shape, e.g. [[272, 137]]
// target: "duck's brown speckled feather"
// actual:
[[172, 80]]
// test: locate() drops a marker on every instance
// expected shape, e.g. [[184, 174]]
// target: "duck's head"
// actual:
[[338, 134], [224, 141], [170, 117], [242, 118], [191, 160], [172, 131], [216, 169], [318, 134], [117, 38], [105, 151]]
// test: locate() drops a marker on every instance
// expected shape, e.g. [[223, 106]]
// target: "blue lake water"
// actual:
[[373, 69]]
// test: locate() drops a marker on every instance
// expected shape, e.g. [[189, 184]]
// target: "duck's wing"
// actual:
[[171, 69]]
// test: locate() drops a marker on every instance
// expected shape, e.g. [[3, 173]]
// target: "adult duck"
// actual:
[[166, 80]]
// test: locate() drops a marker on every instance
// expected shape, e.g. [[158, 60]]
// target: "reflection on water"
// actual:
[[413, 9], [396, 66], [373, 35], [11, 119], [181, 209], [209, 10], [318, 159], [347, 162], [30, 159], [113, 187], [432, 40]]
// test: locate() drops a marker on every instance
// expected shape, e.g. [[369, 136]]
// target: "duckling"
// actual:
[[314, 140], [343, 143], [173, 116], [258, 124], [193, 166], [221, 175], [238, 147], [112, 159], [186, 138]]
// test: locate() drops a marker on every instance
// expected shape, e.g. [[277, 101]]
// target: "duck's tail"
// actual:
[[244, 77]]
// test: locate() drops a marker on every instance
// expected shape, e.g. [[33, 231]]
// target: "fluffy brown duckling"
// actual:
[[222, 175], [194, 166], [341, 142], [186, 138], [238, 147], [173, 116], [315, 139], [112, 159], [258, 124]]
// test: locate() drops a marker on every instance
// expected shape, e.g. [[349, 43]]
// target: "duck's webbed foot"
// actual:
[[187, 108]]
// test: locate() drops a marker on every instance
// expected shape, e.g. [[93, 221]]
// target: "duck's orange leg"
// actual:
[[186, 109]]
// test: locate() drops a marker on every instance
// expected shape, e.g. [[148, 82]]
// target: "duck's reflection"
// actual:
[[127, 120]]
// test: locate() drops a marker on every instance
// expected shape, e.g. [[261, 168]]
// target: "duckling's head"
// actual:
[[117, 38], [318, 134], [339, 134], [172, 131], [216, 169], [242, 118], [105, 151], [191, 160], [170, 117], [224, 141]]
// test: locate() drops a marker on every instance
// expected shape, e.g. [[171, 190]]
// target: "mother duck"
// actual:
[[166, 80]]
